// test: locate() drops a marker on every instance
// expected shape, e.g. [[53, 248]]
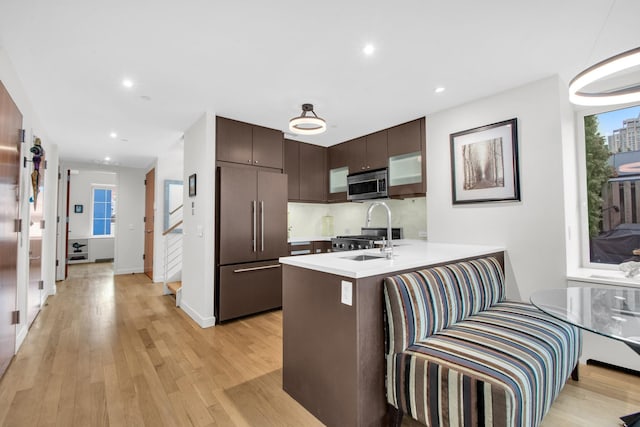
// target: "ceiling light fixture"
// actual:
[[113, 135], [600, 71], [369, 49], [307, 125], [439, 89], [128, 83]]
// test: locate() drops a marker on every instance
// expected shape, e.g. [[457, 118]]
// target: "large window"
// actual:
[[612, 153], [104, 211]]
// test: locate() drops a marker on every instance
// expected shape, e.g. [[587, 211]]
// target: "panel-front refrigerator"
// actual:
[[251, 230]]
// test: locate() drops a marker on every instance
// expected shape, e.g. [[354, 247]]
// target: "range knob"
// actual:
[[366, 246], [359, 246], [352, 246]]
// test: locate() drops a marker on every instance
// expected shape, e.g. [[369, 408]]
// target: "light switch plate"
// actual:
[[347, 293]]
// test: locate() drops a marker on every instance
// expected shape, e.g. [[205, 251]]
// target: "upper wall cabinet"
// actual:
[[367, 152], [406, 146], [306, 168], [240, 142]]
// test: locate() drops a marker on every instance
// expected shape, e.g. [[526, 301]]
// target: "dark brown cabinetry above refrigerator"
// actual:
[[251, 226], [239, 142]]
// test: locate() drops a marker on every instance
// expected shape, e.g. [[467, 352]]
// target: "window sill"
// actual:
[[603, 277]]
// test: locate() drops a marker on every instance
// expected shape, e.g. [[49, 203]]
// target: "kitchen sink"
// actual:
[[364, 257]]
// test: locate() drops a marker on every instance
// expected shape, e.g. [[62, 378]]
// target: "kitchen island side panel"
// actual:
[[319, 352]]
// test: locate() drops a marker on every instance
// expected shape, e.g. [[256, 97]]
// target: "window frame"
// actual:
[[585, 258], [94, 187]]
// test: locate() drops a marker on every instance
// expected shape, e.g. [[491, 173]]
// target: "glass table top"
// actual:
[[614, 313]]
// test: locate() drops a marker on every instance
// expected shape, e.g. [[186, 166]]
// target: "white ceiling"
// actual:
[[258, 61]]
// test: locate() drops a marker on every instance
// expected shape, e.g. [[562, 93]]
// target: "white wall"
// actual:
[[198, 267], [82, 182], [533, 230], [305, 219], [169, 166], [32, 125]]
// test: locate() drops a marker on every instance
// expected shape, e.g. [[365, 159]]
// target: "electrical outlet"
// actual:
[[347, 293], [422, 234]]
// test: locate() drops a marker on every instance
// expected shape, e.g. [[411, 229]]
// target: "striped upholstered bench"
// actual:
[[460, 355]]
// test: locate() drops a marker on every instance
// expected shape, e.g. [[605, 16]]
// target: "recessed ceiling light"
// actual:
[[113, 135], [128, 83], [369, 49], [439, 89], [106, 159]]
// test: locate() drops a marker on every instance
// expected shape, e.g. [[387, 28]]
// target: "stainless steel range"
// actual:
[[366, 240]]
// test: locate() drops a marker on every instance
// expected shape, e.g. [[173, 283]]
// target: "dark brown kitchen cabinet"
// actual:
[[313, 173], [292, 168], [252, 215], [239, 142], [338, 160], [407, 159], [249, 288], [368, 152], [406, 138], [305, 166]]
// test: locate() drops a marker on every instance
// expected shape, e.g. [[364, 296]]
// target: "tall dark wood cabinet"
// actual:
[[252, 235], [292, 168], [306, 167]]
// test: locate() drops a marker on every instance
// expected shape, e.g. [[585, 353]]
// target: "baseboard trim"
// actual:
[[20, 337], [629, 371], [203, 322], [128, 271]]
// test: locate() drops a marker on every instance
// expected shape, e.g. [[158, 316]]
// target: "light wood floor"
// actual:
[[116, 352]]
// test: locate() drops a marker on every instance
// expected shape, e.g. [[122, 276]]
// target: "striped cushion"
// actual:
[[459, 354], [504, 366], [430, 300]]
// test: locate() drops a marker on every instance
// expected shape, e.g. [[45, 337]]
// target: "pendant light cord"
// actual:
[[604, 25]]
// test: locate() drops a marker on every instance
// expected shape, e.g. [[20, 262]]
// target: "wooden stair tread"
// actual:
[[174, 286]]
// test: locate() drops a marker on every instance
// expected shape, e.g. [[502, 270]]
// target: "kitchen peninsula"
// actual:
[[333, 325]]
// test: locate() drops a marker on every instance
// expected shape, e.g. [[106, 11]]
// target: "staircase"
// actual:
[[172, 282]]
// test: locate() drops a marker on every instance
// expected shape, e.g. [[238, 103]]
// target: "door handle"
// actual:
[[255, 224], [262, 224], [264, 267]]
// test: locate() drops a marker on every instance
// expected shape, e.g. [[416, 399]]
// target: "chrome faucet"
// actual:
[[388, 246]]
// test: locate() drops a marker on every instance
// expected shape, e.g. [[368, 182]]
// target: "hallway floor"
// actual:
[[111, 351]]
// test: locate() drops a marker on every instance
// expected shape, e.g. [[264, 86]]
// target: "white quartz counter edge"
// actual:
[[603, 277], [407, 255]]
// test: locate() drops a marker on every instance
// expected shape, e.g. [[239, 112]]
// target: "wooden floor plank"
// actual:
[[109, 351]]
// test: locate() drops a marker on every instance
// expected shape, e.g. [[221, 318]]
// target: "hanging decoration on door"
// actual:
[[38, 156]]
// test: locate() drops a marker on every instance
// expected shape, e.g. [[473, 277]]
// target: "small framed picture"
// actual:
[[77, 208], [484, 164], [192, 185]]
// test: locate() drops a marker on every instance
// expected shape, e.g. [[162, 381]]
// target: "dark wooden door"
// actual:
[[292, 168], [149, 200], [267, 147], [313, 173], [238, 214], [377, 156], [10, 125], [272, 201], [233, 141]]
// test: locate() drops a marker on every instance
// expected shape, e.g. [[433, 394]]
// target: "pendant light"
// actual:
[[307, 124], [602, 70]]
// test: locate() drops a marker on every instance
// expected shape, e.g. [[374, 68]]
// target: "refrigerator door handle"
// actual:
[[255, 225], [264, 267], [262, 225]]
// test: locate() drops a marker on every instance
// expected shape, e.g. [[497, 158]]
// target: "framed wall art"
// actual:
[[484, 164]]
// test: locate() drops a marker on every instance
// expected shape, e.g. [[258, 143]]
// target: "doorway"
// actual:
[[149, 202]]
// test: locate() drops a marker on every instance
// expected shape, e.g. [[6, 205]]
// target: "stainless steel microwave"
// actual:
[[367, 185]]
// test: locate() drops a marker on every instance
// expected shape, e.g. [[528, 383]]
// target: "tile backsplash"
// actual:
[[306, 219]]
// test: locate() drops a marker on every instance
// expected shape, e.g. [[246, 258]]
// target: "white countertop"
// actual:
[[407, 254]]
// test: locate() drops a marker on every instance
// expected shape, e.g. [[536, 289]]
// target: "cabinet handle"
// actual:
[[255, 224], [262, 225], [255, 161], [264, 267]]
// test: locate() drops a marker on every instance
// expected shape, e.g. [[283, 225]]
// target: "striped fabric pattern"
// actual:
[[501, 365]]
